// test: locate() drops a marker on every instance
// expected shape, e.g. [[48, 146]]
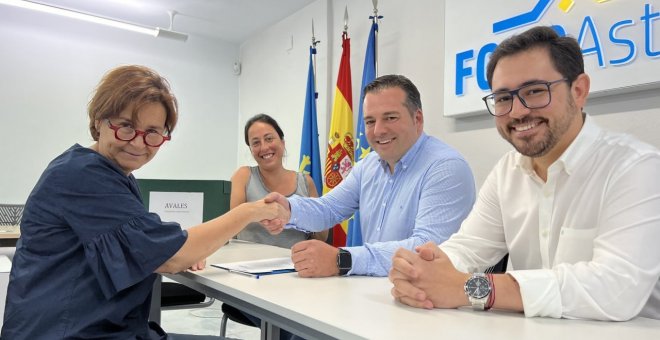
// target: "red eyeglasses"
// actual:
[[127, 134]]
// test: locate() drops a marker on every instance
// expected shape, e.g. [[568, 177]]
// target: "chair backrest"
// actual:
[[500, 267], [11, 214], [216, 202]]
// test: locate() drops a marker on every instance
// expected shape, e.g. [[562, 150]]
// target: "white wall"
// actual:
[[274, 78], [410, 43], [49, 67]]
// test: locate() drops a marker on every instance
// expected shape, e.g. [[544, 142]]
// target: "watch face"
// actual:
[[477, 287], [344, 260]]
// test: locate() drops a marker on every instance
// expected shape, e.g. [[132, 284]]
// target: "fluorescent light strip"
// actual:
[[155, 32], [165, 33]]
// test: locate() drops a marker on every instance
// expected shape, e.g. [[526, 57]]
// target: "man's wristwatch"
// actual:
[[478, 288], [344, 261]]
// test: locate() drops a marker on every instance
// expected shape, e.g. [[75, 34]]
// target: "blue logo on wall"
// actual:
[[523, 19], [588, 28]]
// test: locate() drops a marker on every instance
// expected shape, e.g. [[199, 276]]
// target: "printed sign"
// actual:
[[185, 208], [620, 41]]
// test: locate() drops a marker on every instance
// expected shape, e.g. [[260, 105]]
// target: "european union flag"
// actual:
[[354, 237], [310, 159]]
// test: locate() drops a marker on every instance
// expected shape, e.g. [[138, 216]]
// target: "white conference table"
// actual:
[[360, 307]]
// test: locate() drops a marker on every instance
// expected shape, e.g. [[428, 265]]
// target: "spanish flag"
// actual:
[[340, 137]]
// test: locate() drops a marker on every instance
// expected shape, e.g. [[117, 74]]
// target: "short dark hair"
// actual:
[[264, 118], [565, 52], [128, 85], [413, 101]]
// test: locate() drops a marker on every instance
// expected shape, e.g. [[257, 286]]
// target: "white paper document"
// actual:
[[262, 267], [185, 208]]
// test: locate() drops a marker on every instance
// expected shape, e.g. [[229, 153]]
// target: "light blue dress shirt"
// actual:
[[426, 198]]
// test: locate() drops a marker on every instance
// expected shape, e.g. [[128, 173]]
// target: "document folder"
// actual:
[[256, 268]]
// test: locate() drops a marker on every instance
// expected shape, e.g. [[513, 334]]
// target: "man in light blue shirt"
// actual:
[[412, 190]]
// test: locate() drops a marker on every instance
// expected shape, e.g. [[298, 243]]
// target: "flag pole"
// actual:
[[346, 19], [314, 42], [376, 19], [341, 150], [344, 34], [369, 73], [309, 149]]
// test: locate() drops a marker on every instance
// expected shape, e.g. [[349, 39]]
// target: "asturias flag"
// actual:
[[310, 159], [354, 237], [340, 137]]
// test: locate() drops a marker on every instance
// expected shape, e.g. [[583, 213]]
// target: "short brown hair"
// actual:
[[565, 52], [131, 85], [413, 101]]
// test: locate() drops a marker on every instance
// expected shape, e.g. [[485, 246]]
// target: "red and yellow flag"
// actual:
[[340, 136]]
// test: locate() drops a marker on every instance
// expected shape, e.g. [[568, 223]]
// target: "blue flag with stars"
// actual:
[[362, 148], [310, 159]]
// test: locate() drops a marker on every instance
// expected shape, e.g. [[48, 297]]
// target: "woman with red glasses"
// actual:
[[89, 250]]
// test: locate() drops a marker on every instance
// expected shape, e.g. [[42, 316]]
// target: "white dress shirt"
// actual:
[[584, 244]]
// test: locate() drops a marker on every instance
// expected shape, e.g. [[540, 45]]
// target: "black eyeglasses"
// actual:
[[127, 134], [532, 96]]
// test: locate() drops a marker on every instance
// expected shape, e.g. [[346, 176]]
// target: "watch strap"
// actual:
[[344, 261], [479, 303]]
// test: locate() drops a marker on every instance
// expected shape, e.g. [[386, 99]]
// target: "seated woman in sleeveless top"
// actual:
[[265, 139]]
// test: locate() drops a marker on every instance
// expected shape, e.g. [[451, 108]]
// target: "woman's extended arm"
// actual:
[[204, 239]]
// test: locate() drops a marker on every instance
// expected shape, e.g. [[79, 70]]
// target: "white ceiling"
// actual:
[[228, 20]]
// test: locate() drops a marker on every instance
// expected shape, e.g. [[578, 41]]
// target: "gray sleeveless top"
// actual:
[[254, 232]]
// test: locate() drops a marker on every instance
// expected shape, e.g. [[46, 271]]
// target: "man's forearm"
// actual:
[[507, 293]]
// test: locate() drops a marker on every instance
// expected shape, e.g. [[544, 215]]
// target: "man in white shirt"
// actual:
[[576, 207]]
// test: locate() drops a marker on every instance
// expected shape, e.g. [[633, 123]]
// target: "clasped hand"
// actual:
[[276, 225], [426, 278]]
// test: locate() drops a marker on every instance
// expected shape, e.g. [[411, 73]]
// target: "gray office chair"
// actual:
[[172, 295], [500, 267], [11, 214], [234, 314], [177, 296], [10, 220]]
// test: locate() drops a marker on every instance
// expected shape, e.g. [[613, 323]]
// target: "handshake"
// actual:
[[273, 212]]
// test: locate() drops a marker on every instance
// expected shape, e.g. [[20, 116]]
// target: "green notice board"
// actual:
[[216, 193]]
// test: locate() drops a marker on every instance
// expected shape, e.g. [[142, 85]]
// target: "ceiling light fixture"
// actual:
[[171, 33], [69, 13]]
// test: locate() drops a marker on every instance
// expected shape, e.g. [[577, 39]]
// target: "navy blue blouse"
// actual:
[[84, 265]]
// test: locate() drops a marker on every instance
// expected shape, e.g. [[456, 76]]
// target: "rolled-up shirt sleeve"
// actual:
[[540, 292]]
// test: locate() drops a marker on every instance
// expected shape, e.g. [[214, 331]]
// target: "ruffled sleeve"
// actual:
[[122, 243], [126, 255]]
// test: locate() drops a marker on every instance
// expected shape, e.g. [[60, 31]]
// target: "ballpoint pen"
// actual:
[[240, 272]]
